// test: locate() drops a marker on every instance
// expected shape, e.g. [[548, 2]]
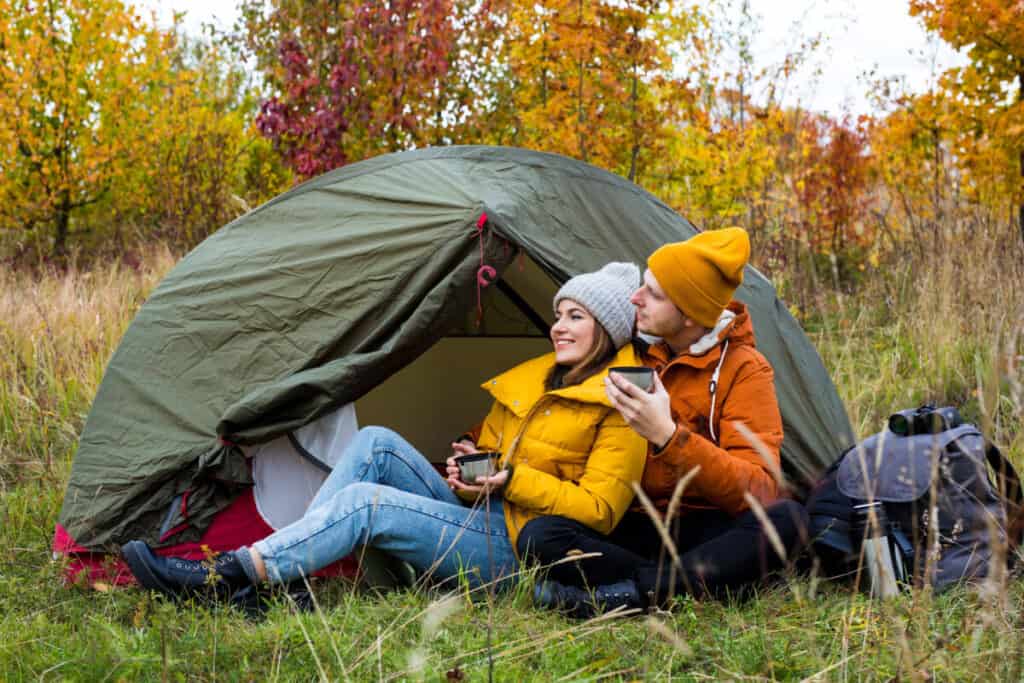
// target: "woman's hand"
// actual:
[[483, 485], [463, 447]]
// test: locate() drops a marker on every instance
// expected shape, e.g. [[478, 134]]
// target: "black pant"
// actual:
[[718, 554]]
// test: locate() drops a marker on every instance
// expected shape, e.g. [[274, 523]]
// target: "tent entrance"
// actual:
[[438, 397]]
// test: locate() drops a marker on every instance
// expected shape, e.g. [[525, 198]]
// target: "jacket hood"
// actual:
[[734, 325], [741, 333], [521, 387]]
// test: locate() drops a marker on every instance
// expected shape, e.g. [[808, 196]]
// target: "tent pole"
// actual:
[[535, 318]]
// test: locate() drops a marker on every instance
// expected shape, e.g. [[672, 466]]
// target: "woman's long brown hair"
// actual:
[[601, 353]]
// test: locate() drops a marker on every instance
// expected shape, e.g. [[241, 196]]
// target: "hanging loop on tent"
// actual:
[[483, 274]]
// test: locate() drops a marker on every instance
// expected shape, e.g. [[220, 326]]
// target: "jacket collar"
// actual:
[[521, 387], [734, 324]]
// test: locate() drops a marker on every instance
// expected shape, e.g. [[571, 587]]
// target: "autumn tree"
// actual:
[[202, 162], [77, 77], [832, 188], [115, 131], [734, 155], [351, 80], [992, 32], [595, 79]]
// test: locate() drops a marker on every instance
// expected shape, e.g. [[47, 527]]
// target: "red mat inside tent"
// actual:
[[237, 525]]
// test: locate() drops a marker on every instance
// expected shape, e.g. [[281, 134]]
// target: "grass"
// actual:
[[947, 328]]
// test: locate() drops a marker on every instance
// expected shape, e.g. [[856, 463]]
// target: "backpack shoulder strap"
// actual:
[[1009, 488]]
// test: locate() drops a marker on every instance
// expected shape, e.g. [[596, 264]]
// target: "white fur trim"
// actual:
[[714, 337]]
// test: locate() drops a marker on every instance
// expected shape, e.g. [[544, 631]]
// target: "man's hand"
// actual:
[[649, 414]]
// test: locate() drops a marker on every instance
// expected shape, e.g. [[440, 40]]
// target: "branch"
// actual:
[[92, 200], [1002, 46]]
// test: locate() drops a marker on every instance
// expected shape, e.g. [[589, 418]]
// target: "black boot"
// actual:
[[581, 603], [221, 577]]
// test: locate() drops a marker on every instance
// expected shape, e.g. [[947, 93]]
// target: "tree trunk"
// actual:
[[61, 222], [633, 120], [937, 185], [580, 115], [544, 68]]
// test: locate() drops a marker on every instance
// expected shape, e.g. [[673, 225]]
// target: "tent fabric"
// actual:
[[308, 302]]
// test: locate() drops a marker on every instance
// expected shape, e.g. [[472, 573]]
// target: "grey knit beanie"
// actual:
[[605, 294]]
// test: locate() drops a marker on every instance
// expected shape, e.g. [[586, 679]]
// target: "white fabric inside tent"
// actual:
[[289, 470]]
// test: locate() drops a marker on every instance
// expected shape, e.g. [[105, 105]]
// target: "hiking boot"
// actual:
[[580, 603], [222, 576]]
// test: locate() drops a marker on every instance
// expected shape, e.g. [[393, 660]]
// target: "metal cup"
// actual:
[[473, 466], [639, 376]]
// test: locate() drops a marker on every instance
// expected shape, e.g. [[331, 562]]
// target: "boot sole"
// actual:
[[134, 553]]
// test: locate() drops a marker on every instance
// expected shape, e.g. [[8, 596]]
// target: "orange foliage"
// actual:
[[108, 121], [832, 183], [987, 95]]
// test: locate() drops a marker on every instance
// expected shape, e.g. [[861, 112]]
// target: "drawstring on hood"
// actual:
[[705, 344], [714, 390]]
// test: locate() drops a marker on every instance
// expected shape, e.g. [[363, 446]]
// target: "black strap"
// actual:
[[300, 449], [1010, 489]]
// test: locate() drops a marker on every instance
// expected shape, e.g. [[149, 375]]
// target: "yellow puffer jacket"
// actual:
[[572, 453]]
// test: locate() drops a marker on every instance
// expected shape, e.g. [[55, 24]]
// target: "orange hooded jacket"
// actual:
[[729, 465]]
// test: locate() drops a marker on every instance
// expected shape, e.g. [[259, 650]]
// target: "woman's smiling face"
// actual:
[[572, 333]]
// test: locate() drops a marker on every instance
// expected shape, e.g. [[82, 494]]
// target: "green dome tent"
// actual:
[[368, 285]]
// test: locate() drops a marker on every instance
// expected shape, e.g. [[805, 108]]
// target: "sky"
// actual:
[[859, 36]]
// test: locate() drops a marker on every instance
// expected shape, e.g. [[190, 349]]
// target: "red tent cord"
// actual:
[[485, 274]]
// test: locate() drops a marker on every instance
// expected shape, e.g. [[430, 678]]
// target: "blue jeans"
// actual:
[[383, 493]]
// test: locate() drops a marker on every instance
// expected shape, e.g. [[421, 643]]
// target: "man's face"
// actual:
[[655, 312]]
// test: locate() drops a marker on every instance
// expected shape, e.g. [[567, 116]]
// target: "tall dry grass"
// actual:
[[943, 324], [57, 331]]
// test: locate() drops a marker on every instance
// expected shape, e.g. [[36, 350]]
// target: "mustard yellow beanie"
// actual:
[[701, 274]]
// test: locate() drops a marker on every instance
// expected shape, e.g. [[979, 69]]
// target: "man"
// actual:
[[709, 379]]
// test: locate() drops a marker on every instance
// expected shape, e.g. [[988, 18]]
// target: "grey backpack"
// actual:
[[946, 518]]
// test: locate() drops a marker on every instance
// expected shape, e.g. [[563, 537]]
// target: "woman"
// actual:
[[566, 452]]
